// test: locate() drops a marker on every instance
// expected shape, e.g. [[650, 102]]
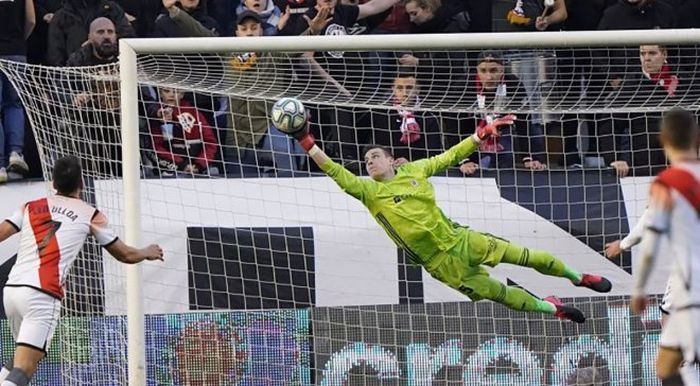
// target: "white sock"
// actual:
[[8, 383], [3, 373]]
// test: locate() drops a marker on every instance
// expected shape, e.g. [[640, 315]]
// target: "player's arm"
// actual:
[[347, 181], [12, 224], [7, 229], [374, 7], [130, 255], [126, 254], [615, 248], [656, 225], [187, 23], [462, 150]]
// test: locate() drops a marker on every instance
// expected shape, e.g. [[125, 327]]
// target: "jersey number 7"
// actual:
[[51, 229]]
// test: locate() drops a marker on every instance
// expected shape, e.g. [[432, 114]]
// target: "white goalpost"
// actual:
[[273, 275]]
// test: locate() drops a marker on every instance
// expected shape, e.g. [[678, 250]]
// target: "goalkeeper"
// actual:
[[402, 200]]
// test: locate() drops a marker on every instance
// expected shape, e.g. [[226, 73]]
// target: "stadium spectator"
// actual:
[[496, 92], [101, 47], [345, 73], [638, 14], [182, 138], [573, 74], [36, 49], [141, 14], [17, 20], [537, 15], [613, 65], [224, 12], [535, 68], [439, 71], [167, 25], [396, 22], [345, 68], [410, 133], [254, 143], [69, 26], [273, 19], [630, 140]]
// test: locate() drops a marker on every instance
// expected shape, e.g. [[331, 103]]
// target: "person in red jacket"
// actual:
[[182, 138]]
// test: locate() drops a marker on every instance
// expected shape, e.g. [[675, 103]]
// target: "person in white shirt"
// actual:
[[674, 212], [615, 249], [52, 232]]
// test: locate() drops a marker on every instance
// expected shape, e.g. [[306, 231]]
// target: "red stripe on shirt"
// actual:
[[44, 229], [684, 183]]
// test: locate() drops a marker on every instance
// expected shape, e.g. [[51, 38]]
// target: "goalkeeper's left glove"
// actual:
[[491, 130]]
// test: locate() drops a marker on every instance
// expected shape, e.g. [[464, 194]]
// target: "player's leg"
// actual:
[[667, 364], [491, 250], [39, 313], [25, 363], [12, 303], [478, 285], [678, 341]]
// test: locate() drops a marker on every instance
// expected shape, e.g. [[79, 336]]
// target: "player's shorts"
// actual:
[[682, 332], [462, 267], [666, 300], [32, 315]]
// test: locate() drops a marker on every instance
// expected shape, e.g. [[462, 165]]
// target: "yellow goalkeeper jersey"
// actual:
[[405, 206]]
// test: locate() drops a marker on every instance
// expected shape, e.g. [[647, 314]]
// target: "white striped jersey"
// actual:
[[684, 232], [53, 230]]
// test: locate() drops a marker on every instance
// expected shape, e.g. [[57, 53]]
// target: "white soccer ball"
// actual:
[[288, 115]]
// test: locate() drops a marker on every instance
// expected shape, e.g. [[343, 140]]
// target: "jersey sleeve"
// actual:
[[350, 183], [439, 163], [635, 235], [99, 228], [17, 218]]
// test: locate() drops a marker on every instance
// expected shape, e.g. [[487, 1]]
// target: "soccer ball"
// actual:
[[288, 115]]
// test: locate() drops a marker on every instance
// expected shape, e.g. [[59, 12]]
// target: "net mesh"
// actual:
[[273, 275]]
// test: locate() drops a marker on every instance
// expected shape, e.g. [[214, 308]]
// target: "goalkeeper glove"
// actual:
[[491, 130], [305, 138]]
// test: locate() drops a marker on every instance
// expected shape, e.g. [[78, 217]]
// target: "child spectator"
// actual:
[[182, 138], [253, 138], [273, 20]]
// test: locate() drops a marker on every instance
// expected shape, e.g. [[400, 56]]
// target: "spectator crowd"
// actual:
[[186, 133]]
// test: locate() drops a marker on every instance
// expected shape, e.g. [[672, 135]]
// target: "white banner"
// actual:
[[355, 262]]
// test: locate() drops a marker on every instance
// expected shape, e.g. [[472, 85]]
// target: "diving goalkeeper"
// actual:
[[402, 200]]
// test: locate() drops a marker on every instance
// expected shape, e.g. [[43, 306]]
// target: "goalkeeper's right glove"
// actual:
[[491, 130], [305, 138]]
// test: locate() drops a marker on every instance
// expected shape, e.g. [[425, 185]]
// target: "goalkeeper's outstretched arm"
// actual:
[[462, 150], [350, 183]]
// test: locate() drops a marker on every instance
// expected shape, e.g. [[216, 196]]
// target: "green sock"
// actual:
[[572, 274], [520, 300], [545, 307]]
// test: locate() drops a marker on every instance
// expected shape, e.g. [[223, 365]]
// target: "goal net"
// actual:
[[273, 275]]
